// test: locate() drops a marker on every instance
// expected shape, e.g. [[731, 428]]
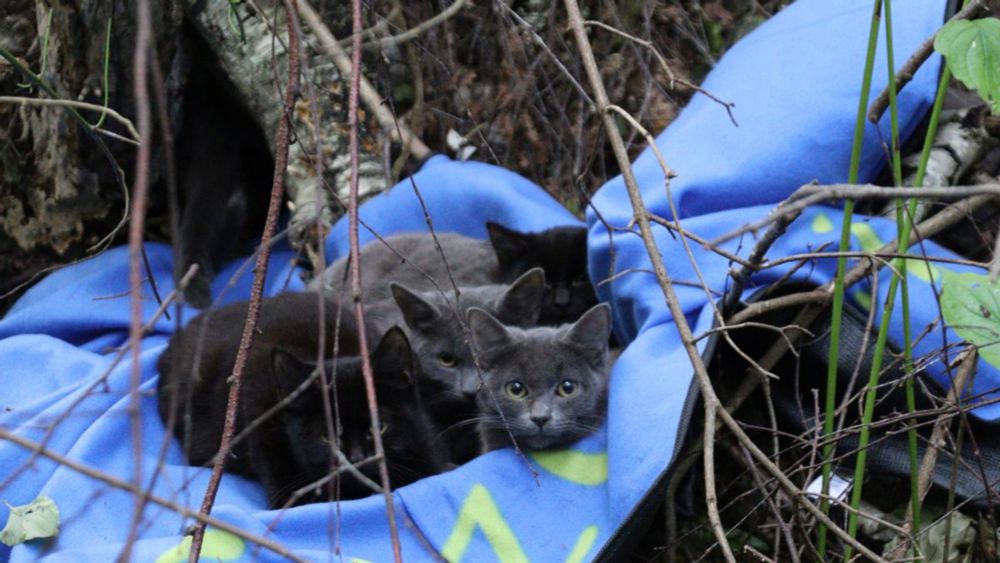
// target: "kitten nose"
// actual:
[[356, 454], [561, 297], [540, 419], [469, 386]]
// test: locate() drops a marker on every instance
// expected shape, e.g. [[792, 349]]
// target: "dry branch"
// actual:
[[355, 273], [917, 59], [260, 273], [812, 194], [138, 492], [372, 99], [711, 400]]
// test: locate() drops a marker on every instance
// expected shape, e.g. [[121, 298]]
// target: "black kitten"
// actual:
[[412, 259], [290, 448], [562, 253], [224, 171], [545, 386]]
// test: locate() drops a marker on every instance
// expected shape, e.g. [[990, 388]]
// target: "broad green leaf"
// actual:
[[38, 519], [970, 304], [972, 49]]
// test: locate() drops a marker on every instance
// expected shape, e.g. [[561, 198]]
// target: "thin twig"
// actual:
[[811, 194], [669, 225], [641, 216], [137, 491], [760, 249], [916, 60], [355, 265], [136, 224], [967, 363], [684, 330], [545, 47], [942, 220], [135, 140], [417, 30], [372, 99], [260, 273], [666, 68]]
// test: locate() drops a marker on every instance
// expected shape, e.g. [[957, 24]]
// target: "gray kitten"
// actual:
[[406, 258], [546, 386], [449, 378]]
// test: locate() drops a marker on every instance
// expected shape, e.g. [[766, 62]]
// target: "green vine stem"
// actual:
[[838, 295]]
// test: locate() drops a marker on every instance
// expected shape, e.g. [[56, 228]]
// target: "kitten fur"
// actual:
[[546, 386], [290, 449], [449, 378], [560, 251]]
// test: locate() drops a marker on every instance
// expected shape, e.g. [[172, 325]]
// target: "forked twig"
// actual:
[[916, 60], [135, 138], [372, 99], [666, 68], [967, 363], [712, 404], [811, 194], [117, 483]]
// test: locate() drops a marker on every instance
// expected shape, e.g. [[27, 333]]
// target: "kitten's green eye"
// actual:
[[447, 360], [566, 388], [516, 389]]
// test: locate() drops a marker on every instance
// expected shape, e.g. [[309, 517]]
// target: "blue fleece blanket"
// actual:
[[795, 82]]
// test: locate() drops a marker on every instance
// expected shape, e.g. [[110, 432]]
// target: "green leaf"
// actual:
[[39, 519], [972, 49], [970, 304]]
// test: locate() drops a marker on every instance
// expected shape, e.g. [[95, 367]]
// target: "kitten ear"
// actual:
[[289, 371], [592, 330], [488, 334], [507, 243], [521, 304], [288, 366], [392, 360], [417, 311]]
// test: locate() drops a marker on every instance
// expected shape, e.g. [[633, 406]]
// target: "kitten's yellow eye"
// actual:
[[566, 388], [447, 360], [516, 389]]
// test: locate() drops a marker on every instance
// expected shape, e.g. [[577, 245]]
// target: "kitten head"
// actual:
[[406, 432], [562, 253], [546, 385], [436, 333]]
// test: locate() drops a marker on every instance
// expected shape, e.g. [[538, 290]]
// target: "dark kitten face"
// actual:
[[546, 386], [438, 340], [562, 253], [405, 430]]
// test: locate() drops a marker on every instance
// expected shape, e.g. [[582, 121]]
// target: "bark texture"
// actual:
[[254, 59], [58, 190]]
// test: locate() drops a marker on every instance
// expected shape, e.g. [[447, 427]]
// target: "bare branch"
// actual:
[[812, 194], [355, 266], [917, 59], [712, 404], [372, 99], [260, 272], [135, 140], [138, 492]]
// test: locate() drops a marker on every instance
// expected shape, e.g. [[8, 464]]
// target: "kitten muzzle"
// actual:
[[561, 296]]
